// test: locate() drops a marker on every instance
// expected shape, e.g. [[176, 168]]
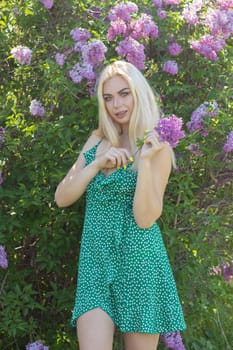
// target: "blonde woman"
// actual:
[[124, 275]]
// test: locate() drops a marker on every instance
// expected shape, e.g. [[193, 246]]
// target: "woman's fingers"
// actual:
[[118, 157]]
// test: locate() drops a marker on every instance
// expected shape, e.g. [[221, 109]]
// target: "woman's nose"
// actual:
[[116, 102]]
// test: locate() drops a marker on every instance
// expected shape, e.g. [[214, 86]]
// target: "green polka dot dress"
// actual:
[[123, 269]]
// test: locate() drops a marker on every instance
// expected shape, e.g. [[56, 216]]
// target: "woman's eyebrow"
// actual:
[[120, 91]]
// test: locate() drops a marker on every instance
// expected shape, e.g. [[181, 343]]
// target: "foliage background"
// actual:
[[42, 241]]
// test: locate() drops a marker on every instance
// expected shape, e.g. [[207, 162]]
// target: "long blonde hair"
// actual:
[[145, 113]]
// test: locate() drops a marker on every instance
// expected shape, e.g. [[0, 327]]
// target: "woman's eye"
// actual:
[[107, 98], [123, 94]]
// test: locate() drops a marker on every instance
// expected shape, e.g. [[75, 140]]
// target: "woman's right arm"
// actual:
[[78, 178], [74, 184]]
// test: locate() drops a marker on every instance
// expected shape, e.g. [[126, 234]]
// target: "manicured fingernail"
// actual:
[[124, 167], [131, 159]]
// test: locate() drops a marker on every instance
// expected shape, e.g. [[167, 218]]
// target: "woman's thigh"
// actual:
[[95, 330], [141, 341]]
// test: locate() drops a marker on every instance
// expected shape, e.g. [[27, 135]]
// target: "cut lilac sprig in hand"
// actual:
[[169, 130]]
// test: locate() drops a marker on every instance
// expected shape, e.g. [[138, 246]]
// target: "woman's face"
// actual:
[[118, 99]]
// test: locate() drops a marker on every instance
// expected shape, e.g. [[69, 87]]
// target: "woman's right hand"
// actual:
[[113, 158]]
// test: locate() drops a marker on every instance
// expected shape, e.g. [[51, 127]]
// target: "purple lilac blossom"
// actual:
[[227, 272], [3, 255], [170, 67], [1, 178], [158, 3], [94, 52], [173, 341], [208, 46], [80, 34], [220, 22], [190, 11], [37, 345], [2, 131], [122, 11], [116, 28], [36, 108], [77, 73], [22, 54], [144, 27], [169, 130], [78, 46], [194, 148], [133, 51], [171, 2], [228, 147], [174, 49], [197, 121], [60, 59], [47, 3], [161, 13], [224, 4], [225, 269]]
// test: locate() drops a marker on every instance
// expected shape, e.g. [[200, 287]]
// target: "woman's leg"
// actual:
[[141, 341], [95, 330]]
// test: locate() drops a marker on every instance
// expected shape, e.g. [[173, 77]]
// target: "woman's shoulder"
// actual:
[[92, 141]]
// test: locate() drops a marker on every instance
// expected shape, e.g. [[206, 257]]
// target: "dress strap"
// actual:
[[90, 153]]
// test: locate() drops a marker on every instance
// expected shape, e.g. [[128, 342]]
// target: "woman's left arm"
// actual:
[[153, 173]]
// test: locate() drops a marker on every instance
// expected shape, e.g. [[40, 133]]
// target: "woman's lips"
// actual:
[[121, 114]]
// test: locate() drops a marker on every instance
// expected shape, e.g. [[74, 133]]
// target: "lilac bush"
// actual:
[[53, 53]]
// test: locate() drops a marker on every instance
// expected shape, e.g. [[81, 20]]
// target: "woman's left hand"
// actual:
[[151, 146]]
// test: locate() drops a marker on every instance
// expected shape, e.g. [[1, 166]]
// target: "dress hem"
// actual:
[[125, 329]]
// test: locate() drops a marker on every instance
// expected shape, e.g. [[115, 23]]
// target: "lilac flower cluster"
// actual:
[[1, 178], [174, 49], [208, 46], [218, 20], [122, 23], [170, 67], [173, 341], [225, 269], [228, 147], [37, 345], [3, 257], [22, 54], [170, 130], [198, 117], [133, 51], [2, 131], [224, 4], [161, 3], [123, 11], [92, 54], [47, 3], [190, 12], [36, 108]]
